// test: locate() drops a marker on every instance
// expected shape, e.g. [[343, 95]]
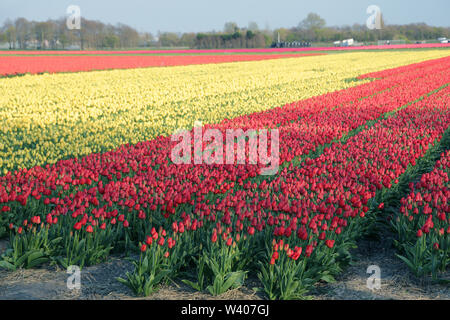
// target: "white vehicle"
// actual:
[[347, 42]]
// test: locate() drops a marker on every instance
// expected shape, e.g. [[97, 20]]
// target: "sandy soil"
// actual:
[[397, 282], [99, 282]]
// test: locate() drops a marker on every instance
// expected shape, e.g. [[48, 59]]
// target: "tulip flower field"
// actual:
[[51, 117], [17, 65], [241, 50], [87, 170], [422, 223]]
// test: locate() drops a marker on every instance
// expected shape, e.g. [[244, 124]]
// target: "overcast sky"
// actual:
[[207, 15]]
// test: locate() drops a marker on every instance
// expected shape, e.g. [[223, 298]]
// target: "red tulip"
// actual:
[[329, 243], [309, 250], [275, 255]]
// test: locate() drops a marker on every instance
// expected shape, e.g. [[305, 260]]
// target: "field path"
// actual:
[[98, 282]]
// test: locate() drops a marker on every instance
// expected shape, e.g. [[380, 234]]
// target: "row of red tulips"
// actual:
[[77, 211], [407, 68], [423, 222]]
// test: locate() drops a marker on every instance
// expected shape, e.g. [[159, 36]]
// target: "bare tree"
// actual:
[[230, 27], [10, 33], [312, 21], [253, 26]]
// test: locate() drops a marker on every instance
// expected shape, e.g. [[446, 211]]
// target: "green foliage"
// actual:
[[148, 273], [29, 250]]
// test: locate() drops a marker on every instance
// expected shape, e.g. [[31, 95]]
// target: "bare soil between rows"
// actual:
[[99, 282]]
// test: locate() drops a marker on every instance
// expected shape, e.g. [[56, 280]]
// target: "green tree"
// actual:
[[312, 22], [111, 41], [168, 39]]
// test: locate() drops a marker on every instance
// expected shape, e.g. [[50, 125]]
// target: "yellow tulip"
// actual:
[[48, 117]]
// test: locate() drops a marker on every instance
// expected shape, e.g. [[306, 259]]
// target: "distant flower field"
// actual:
[[18, 65], [88, 169], [212, 51]]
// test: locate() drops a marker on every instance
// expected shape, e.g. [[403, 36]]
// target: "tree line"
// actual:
[[54, 34], [313, 29]]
